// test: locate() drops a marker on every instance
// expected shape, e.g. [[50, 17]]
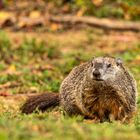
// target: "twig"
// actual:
[[96, 22]]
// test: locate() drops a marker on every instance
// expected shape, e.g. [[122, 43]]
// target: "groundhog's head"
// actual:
[[105, 68]]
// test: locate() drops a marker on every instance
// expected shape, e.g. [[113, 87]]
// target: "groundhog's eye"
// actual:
[[108, 65]]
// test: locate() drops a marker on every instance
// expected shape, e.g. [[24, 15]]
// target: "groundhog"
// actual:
[[100, 89]]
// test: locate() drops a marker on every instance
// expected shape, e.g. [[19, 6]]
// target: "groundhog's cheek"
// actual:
[[108, 77], [92, 77]]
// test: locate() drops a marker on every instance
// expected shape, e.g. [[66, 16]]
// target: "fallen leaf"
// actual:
[[97, 2], [35, 14], [4, 93], [11, 69], [80, 12], [48, 66], [5, 15], [55, 26]]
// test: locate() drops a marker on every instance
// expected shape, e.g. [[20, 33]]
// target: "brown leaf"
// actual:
[[55, 26], [97, 2], [4, 93], [11, 69], [80, 12], [35, 14], [6, 16]]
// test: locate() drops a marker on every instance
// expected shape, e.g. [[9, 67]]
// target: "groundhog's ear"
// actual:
[[91, 62], [118, 61]]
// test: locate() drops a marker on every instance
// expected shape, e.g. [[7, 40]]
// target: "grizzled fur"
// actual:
[[101, 89], [41, 102]]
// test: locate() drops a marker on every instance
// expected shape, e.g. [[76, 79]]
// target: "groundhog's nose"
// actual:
[[96, 73]]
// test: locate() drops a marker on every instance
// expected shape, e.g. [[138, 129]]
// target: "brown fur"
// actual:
[[40, 102], [112, 96]]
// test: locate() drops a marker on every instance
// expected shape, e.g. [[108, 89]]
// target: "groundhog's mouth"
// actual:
[[96, 79]]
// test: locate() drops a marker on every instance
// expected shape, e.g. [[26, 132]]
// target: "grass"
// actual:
[[40, 65], [50, 126], [118, 9]]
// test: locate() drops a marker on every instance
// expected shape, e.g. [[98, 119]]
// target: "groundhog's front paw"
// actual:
[[111, 117], [121, 116], [93, 118]]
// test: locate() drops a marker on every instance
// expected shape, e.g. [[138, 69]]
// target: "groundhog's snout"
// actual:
[[96, 74]]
